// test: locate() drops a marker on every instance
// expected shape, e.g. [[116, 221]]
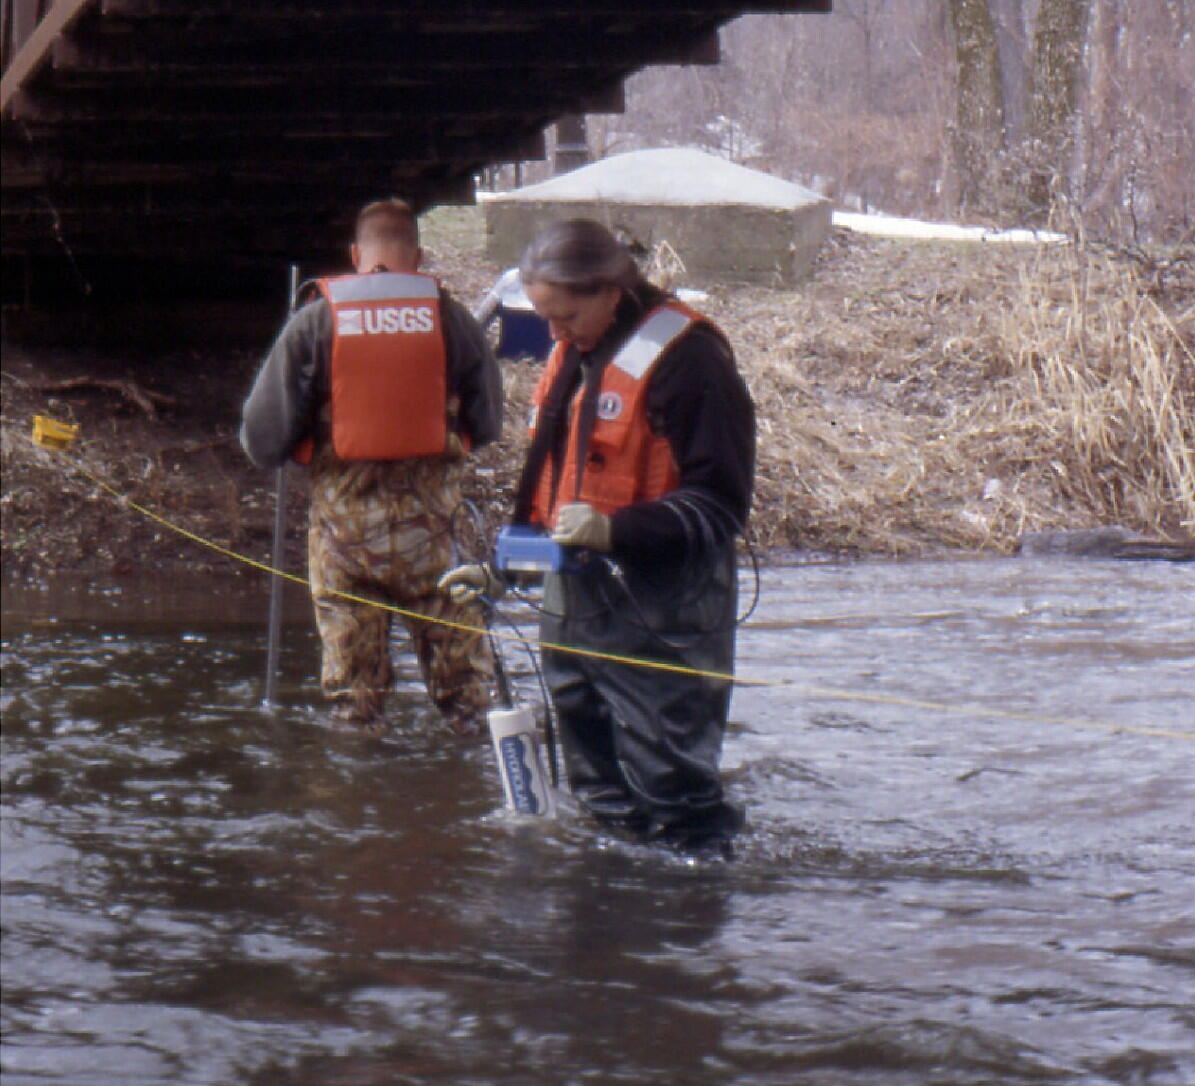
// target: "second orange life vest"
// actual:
[[626, 462]]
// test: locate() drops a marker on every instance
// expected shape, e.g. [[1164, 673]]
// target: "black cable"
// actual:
[[491, 610], [550, 730], [644, 623], [755, 571], [505, 698], [695, 510]]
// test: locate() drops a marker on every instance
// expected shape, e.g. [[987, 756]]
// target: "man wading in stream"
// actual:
[[383, 384]]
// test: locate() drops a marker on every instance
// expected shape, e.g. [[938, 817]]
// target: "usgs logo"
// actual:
[[385, 320]]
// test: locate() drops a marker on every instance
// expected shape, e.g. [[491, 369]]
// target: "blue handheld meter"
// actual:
[[523, 549]]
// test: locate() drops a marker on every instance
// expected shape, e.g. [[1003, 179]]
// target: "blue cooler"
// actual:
[[521, 334]]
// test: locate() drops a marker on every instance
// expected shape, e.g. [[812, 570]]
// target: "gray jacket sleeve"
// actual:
[[282, 405], [473, 373]]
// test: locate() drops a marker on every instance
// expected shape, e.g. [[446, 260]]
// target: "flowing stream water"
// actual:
[[971, 796]]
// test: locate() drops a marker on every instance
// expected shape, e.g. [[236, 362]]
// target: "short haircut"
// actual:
[[387, 221]]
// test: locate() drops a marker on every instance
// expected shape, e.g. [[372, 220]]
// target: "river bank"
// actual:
[[914, 398]]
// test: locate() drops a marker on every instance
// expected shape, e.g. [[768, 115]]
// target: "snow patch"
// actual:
[[889, 226]]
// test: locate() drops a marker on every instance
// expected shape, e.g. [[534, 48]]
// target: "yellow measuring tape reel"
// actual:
[[52, 434], [58, 436]]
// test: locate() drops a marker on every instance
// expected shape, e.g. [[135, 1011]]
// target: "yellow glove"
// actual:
[[468, 583], [580, 525]]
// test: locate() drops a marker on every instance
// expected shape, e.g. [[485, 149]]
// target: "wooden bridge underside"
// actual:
[[206, 139]]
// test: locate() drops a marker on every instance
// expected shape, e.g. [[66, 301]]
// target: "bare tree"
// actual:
[[978, 133], [920, 107], [1014, 31], [1058, 48], [1137, 121], [867, 16]]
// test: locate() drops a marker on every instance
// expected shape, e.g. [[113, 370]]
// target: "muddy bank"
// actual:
[[913, 399]]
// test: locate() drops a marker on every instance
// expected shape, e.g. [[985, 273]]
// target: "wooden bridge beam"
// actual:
[[31, 52]]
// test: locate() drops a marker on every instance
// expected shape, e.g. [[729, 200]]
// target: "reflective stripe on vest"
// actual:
[[626, 462], [389, 385], [651, 339], [380, 285]]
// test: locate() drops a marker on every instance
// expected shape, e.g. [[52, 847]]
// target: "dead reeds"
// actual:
[[938, 397], [1102, 378], [917, 397]]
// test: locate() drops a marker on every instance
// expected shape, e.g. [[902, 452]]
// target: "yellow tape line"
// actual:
[[815, 692]]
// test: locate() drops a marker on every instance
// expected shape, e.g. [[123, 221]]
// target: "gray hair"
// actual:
[[582, 256]]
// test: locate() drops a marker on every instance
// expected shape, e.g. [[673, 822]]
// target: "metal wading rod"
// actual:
[[278, 554]]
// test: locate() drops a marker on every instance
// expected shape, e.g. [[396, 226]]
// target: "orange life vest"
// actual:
[[389, 381], [625, 462]]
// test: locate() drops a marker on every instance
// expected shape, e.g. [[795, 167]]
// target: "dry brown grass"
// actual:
[[1102, 377], [925, 396], [917, 397]]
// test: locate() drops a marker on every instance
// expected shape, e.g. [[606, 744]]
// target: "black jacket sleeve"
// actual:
[[473, 373], [698, 401]]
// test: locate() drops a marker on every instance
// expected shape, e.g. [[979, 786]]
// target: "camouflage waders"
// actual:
[[383, 530]]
